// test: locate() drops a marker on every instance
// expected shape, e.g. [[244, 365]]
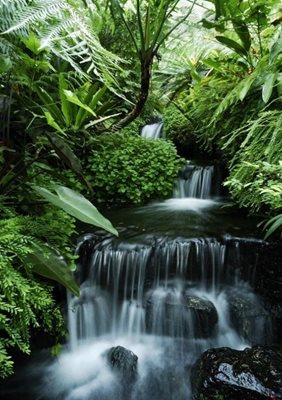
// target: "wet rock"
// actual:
[[250, 319], [124, 362], [170, 313], [253, 374]]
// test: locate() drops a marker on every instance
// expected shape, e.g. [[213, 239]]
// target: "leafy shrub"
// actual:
[[128, 169], [211, 126], [256, 171], [26, 302], [177, 126], [257, 186]]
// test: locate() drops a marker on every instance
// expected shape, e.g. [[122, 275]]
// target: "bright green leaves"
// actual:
[[33, 43], [73, 98], [70, 109], [128, 169], [76, 205], [268, 85]]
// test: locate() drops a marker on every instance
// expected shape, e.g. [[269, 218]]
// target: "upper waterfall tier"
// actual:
[[197, 182], [152, 131]]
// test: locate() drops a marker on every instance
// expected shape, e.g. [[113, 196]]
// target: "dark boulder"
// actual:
[[249, 317], [252, 374], [180, 315], [124, 362]]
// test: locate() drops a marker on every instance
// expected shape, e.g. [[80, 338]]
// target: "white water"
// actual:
[[186, 203], [196, 183], [136, 296], [152, 131], [167, 300]]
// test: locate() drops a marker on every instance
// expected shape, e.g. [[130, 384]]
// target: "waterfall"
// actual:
[[167, 300], [166, 295], [195, 181], [152, 131]]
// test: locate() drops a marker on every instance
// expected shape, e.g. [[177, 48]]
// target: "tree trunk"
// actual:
[[146, 67]]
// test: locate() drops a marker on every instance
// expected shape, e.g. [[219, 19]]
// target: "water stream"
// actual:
[[152, 131], [164, 292]]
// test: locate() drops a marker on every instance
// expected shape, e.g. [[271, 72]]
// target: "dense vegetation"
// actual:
[[72, 74]]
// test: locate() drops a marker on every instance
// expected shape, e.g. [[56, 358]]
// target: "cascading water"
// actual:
[[152, 131], [164, 297], [167, 300], [195, 181]]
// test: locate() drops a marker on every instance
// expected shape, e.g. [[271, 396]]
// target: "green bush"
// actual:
[[26, 301], [256, 169], [177, 126], [126, 169], [257, 186]]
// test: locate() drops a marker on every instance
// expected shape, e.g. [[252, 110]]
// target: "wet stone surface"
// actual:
[[124, 362], [249, 317], [253, 374], [180, 315]]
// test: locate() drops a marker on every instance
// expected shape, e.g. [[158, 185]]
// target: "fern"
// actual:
[[64, 28], [26, 303]]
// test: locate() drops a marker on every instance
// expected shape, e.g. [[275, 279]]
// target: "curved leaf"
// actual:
[[47, 263], [267, 87], [243, 32], [72, 98], [274, 223], [76, 205], [65, 152], [232, 45]]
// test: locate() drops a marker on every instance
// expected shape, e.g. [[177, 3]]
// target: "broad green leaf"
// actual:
[[267, 87], [52, 122], [219, 8], [48, 103], [72, 97], [76, 205], [243, 32], [246, 85], [91, 100], [65, 152], [47, 263], [217, 25], [33, 43], [232, 45]]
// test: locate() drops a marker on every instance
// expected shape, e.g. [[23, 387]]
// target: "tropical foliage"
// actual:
[[232, 99], [26, 302], [72, 73], [126, 169]]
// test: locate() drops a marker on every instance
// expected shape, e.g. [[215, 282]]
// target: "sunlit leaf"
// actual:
[[267, 87], [76, 205], [72, 97], [52, 122]]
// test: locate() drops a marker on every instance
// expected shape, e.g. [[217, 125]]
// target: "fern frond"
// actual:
[[37, 12], [66, 30]]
